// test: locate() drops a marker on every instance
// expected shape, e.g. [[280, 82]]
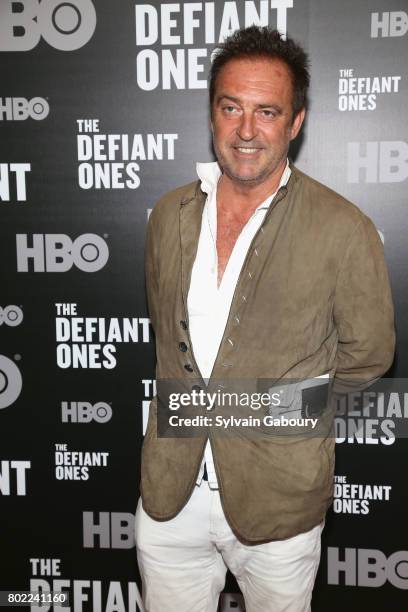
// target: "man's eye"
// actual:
[[229, 109], [268, 114]]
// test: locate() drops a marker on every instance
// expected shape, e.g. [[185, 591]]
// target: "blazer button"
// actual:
[[183, 347], [188, 367], [183, 325]]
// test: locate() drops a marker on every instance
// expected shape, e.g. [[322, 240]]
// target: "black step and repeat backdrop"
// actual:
[[103, 108]]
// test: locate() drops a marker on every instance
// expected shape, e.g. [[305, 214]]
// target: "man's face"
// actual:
[[252, 119]]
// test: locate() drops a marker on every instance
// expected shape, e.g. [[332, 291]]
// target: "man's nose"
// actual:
[[247, 127]]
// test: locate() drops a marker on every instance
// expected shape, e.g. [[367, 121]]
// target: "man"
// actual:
[[255, 271]]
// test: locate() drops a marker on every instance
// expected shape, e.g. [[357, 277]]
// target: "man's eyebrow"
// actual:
[[232, 98], [270, 105], [221, 97]]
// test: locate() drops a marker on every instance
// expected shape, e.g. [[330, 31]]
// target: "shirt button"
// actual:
[[188, 367], [183, 347], [183, 325]]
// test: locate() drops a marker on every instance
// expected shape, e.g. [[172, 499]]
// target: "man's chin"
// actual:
[[247, 178]]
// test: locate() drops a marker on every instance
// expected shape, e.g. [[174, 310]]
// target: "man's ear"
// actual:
[[297, 124]]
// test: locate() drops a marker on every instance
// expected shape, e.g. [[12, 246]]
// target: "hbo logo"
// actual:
[[11, 315], [389, 24], [58, 253], [367, 567], [108, 530], [19, 109], [11, 382], [379, 161], [84, 412], [64, 25]]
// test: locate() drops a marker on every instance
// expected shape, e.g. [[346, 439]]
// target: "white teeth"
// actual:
[[244, 150]]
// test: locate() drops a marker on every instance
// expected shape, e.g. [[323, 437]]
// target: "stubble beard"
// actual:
[[259, 178]]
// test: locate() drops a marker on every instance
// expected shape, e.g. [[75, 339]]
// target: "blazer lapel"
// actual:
[[191, 211]]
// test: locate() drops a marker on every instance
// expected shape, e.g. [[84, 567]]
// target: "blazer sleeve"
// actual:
[[152, 269], [363, 312]]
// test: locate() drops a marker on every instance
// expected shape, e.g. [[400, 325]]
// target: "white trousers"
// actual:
[[183, 562]]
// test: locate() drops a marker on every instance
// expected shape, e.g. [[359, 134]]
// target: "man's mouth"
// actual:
[[247, 150]]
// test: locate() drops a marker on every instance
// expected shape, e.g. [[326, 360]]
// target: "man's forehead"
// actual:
[[254, 75], [252, 65]]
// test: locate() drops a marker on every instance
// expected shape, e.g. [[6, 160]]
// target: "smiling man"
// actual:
[[255, 271]]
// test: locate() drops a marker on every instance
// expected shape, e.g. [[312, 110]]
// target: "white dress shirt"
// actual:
[[208, 305]]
